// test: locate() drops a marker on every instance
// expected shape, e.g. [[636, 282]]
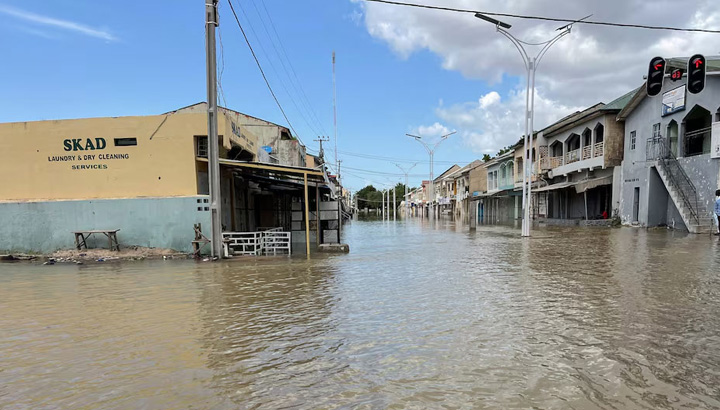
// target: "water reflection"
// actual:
[[420, 314]]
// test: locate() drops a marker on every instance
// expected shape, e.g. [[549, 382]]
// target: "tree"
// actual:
[[486, 157]]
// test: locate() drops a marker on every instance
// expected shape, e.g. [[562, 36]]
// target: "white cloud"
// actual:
[[56, 23], [490, 123], [592, 64], [435, 130]]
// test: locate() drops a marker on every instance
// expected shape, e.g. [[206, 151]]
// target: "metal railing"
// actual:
[[682, 183], [657, 149], [270, 241]]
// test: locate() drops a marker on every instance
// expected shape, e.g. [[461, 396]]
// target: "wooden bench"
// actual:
[[81, 238]]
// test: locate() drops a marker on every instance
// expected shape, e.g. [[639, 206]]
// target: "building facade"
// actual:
[[579, 159], [671, 165], [144, 175]]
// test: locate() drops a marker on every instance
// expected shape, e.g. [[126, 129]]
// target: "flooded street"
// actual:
[[417, 316]]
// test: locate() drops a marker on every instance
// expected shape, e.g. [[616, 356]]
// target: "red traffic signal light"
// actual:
[[676, 74], [696, 73], [656, 76]]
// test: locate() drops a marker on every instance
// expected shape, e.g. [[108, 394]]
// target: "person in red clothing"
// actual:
[[604, 215]]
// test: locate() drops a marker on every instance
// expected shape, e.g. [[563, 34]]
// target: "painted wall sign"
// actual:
[[79, 160], [673, 100], [87, 144]]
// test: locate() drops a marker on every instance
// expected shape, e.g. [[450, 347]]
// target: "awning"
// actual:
[[559, 185], [583, 186]]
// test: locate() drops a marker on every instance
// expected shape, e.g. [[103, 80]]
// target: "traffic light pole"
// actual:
[[531, 65]]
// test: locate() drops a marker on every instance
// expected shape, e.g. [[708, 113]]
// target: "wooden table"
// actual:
[[81, 238]]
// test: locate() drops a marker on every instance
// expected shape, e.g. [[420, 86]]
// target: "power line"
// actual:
[[292, 68], [554, 19], [391, 159], [272, 66], [263, 72]]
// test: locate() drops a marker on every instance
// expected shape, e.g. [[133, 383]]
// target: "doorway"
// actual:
[[636, 205]]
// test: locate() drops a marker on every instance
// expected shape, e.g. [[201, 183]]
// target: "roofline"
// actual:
[[584, 115]]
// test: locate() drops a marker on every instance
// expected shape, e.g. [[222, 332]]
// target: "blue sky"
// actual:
[[398, 71], [152, 61]]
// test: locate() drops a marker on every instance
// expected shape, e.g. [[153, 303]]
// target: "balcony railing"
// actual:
[[587, 152], [599, 149], [572, 156]]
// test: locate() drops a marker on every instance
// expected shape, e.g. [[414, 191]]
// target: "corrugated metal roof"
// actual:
[[620, 103]]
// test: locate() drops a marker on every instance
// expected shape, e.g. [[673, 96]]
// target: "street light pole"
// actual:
[[431, 152], [406, 172], [530, 67]]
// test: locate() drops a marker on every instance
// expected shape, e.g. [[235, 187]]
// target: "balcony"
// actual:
[[586, 157]]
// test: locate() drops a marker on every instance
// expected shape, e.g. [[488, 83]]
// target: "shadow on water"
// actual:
[[421, 314]]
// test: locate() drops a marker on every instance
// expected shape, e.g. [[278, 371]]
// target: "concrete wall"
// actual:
[[478, 180], [45, 227], [614, 149], [702, 169]]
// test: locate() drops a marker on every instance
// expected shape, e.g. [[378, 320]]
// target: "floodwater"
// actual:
[[417, 316]]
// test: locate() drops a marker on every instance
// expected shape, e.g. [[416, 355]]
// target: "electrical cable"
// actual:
[[252, 51], [272, 66], [302, 93], [542, 18]]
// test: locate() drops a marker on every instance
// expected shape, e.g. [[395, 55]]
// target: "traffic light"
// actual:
[[696, 74], [656, 76]]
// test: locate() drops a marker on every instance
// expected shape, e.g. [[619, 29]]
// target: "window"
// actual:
[[656, 131], [632, 140], [125, 142], [201, 146]]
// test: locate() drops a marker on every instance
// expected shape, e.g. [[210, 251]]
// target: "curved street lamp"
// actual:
[[531, 67], [431, 152]]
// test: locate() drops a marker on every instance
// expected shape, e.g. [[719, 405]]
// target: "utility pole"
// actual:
[[394, 205], [321, 140], [406, 172], [431, 152], [211, 22], [529, 115], [383, 205], [337, 159]]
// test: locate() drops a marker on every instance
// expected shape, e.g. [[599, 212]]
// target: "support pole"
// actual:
[[317, 213], [586, 212], [394, 205], [211, 22], [383, 205], [307, 217]]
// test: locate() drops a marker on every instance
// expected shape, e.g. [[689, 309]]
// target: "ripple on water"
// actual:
[[418, 315]]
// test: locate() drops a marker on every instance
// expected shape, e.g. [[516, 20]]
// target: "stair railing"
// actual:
[[677, 176]]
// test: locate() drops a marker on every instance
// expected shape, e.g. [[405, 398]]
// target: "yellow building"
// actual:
[[144, 175]]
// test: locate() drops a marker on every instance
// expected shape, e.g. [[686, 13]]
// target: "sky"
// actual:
[[399, 70]]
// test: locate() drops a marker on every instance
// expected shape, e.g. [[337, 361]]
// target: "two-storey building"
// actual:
[[672, 152], [578, 159]]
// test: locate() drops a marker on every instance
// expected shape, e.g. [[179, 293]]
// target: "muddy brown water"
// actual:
[[417, 316]]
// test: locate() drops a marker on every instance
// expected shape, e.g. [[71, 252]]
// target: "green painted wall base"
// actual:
[[44, 227]]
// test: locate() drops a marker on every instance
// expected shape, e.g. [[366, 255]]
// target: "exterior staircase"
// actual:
[[684, 195]]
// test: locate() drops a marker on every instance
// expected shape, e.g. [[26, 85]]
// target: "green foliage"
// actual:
[[504, 151], [370, 197], [486, 158]]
